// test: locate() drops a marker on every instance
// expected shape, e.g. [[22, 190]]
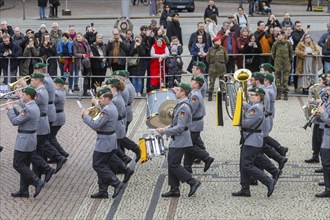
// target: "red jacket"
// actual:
[[224, 42]]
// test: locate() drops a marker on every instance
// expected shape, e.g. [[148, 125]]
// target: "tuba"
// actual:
[[241, 75]]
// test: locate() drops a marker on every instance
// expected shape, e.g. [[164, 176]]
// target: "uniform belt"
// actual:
[[129, 104], [58, 111], [105, 132], [251, 130], [268, 114], [173, 136], [121, 117], [327, 126], [197, 119], [50, 103], [26, 131], [43, 114]]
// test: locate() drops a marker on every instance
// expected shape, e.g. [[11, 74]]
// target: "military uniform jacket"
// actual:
[[198, 110], [204, 88], [282, 54], [267, 111], [59, 106], [119, 102], [325, 117], [217, 58], [131, 97], [125, 95], [179, 132], [42, 102], [322, 91], [26, 120], [252, 126], [272, 99], [104, 125], [50, 87]]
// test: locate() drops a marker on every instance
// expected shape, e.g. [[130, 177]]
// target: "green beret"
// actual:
[[37, 76], [323, 76], [199, 64], [185, 86], [267, 66], [59, 80], [30, 91], [198, 79], [112, 81], [103, 91], [257, 90], [122, 73], [254, 74], [39, 65], [269, 76]]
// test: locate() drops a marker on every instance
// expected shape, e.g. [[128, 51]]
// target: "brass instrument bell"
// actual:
[[14, 85]]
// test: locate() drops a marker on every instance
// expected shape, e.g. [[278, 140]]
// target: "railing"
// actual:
[[79, 77]]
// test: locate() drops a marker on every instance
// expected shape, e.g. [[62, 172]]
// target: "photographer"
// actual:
[[46, 50], [90, 34], [124, 26], [265, 38], [99, 66], [31, 50]]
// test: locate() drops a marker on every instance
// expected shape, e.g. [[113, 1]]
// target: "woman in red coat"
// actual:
[[158, 51]]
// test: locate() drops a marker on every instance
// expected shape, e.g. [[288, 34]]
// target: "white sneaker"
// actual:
[[139, 94], [70, 92]]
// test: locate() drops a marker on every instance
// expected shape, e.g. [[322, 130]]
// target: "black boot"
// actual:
[[137, 154], [324, 194], [102, 193], [49, 173], [282, 163], [117, 189], [242, 193], [276, 175], [321, 183], [174, 192], [314, 159], [188, 168], [210, 96], [20, 194], [60, 161], [128, 175], [194, 184], [208, 163], [271, 187], [282, 150], [39, 185]]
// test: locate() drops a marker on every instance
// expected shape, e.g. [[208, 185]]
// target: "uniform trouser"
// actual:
[[200, 143], [176, 172], [21, 164], [248, 169], [101, 166], [325, 157], [39, 163], [272, 142], [127, 124], [116, 163], [53, 140], [264, 163], [194, 151], [317, 139], [128, 144], [213, 76], [282, 83], [270, 152]]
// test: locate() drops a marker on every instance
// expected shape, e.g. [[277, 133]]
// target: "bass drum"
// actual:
[[156, 99]]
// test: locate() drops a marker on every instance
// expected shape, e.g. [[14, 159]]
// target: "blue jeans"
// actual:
[[74, 75], [42, 12], [137, 83], [326, 67]]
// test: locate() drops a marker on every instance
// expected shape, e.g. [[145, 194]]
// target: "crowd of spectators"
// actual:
[[155, 50]]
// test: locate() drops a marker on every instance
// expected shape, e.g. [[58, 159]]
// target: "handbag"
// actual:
[[134, 61], [249, 61]]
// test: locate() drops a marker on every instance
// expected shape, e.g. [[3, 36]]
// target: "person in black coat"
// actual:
[[47, 49], [54, 7], [174, 28], [210, 10], [252, 62], [9, 49], [167, 12], [42, 4], [98, 65]]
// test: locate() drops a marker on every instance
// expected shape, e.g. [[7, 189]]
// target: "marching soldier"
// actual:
[[180, 143], [217, 59], [198, 112], [268, 68], [60, 119], [325, 148], [26, 142], [124, 142], [252, 142], [314, 92], [198, 70], [51, 112], [106, 143]]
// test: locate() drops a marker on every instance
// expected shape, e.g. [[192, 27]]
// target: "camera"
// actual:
[[308, 26], [92, 24]]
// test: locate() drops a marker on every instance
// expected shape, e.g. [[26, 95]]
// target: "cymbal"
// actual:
[[154, 122], [165, 112]]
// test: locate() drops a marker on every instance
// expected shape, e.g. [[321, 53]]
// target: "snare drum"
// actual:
[[151, 146], [155, 99]]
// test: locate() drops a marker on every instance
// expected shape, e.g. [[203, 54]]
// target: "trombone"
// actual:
[[4, 104]]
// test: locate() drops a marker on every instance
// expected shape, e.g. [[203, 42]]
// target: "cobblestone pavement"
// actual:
[[67, 195]]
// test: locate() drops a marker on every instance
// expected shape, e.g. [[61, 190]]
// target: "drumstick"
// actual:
[[79, 104], [90, 91]]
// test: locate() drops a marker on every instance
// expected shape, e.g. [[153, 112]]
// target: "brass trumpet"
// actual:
[[13, 86]]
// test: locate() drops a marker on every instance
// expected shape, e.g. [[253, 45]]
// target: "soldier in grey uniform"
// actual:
[[198, 112], [324, 110], [124, 142], [180, 143], [60, 119], [268, 68], [252, 142], [198, 70], [106, 143], [26, 142], [51, 112], [267, 149], [317, 131]]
